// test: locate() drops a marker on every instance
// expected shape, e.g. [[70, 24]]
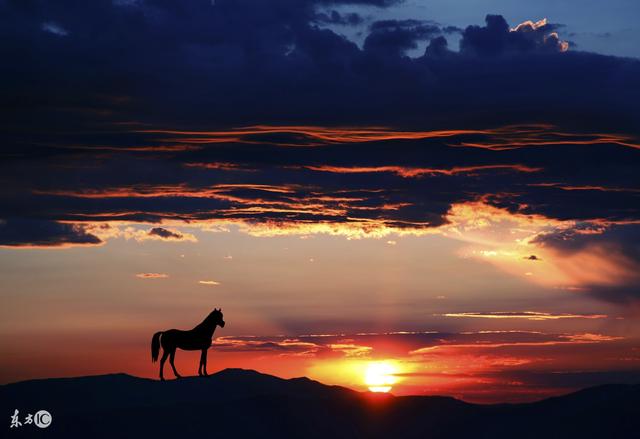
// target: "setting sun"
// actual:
[[379, 376]]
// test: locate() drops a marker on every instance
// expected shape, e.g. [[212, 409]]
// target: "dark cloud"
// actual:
[[585, 235], [244, 61], [39, 233], [498, 38], [620, 242], [255, 178], [437, 47], [344, 19], [378, 3], [91, 92], [164, 233], [394, 37], [567, 379], [452, 30]]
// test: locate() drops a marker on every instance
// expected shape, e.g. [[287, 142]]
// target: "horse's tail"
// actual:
[[155, 346]]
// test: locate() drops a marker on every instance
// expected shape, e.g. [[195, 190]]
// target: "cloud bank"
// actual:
[[253, 114]]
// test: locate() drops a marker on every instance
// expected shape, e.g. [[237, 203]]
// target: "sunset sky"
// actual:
[[452, 195]]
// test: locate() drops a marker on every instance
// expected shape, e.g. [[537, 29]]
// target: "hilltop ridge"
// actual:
[[247, 403]]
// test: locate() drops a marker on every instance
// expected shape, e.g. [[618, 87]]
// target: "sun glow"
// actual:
[[379, 376]]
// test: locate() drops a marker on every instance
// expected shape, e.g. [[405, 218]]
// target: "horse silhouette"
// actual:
[[198, 338]]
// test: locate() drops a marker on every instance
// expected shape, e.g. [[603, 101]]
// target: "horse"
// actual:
[[198, 338]]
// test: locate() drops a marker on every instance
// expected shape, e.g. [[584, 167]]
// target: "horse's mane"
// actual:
[[208, 323]]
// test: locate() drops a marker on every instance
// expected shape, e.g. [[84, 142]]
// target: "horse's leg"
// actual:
[[203, 358], [173, 366], [204, 361], [165, 354]]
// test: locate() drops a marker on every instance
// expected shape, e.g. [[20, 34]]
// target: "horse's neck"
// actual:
[[206, 327]]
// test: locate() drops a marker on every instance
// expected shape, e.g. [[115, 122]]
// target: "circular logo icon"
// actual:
[[42, 419]]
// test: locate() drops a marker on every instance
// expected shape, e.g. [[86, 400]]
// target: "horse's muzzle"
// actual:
[[222, 324]]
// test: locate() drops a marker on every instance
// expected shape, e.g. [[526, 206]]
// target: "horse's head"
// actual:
[[217, 317]]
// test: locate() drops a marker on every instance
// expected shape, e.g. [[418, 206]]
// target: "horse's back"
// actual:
[[187, 340]]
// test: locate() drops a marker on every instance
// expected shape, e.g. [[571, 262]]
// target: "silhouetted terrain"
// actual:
[[245, 403]]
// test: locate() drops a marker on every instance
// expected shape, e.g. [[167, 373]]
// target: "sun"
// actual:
[[379, 376]]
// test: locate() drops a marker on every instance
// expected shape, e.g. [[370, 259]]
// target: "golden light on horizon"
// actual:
[[379, 376]]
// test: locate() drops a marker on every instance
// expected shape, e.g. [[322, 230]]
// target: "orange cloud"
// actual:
[[485, 365], [317, 133], [152, 275], [530, 25], [351, 349], [507, 137], [544, 138], [153, 191], [408, 172]]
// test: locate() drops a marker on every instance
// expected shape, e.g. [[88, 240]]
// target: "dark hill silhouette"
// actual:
[[245, 403]]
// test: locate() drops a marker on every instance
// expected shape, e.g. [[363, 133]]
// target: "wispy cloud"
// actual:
[[405, 343], [54, 28], [152, 275], [411, 172], [547, 341], [526, 315], [209, 282]]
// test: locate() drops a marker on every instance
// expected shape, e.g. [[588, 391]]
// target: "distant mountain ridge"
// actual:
[[246, 403]]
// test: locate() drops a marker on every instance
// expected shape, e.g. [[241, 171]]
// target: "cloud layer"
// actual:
[[236, 63], [117, 113], [485, 366]]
